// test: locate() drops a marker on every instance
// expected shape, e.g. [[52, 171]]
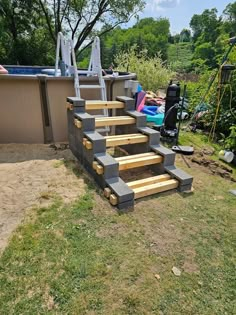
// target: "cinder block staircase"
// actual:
[[142, 144]]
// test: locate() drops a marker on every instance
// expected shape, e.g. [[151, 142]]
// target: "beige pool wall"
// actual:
[[33, 108]]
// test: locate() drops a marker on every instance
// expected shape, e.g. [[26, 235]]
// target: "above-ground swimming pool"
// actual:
[[33, 105], [48, 70], [26, 70]]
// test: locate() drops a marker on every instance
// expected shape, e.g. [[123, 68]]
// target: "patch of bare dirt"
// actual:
[[201, 157], [31, 175], [136, 173]]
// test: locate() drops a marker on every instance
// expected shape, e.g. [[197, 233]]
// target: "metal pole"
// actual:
[[181, 111], [225, 57]]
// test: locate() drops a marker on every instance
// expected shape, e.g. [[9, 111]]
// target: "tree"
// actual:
[[83, 19], [206, 29], [229, 15], [24, 39], [205, 25], [185, 35]]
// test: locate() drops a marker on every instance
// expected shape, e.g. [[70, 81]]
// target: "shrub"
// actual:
[[152, 73]]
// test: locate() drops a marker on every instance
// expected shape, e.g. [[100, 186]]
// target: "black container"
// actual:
[[171, 106], [226, 72]]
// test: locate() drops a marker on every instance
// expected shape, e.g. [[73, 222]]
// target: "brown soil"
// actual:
[[31, 176], [201, 157]]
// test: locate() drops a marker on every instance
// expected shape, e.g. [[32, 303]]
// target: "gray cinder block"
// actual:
[[76, 101], [88, 121], [120, 189], [141, 120], [78, 144], [183, 188], [78, 104], [181, 176], [110, 165], [167, 154], [154, 136], [129, 102], [98, 145], [126, 204]]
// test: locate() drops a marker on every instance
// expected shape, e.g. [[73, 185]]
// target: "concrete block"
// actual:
[[76, 101], [141, 120], [167, 154], [110, 165], [78, 149], [74, 142], [98, 141], [70, 125], [183, 188], [154, 136], [98, 145], [78, 104], [181, 176], [126, 205], [88, 121], [120, 189], [95, 177], [129, 102]]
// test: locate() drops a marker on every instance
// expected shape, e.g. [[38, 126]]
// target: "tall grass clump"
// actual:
[[152, 73]]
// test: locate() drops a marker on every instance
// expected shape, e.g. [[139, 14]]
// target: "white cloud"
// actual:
[[161, 5]]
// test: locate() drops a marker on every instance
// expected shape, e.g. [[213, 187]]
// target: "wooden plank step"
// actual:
[[108, 121], [130, 157], [132, 161], [140, 161], [122, 136], [112, 141], [152, 189], [148, 181], [91, 105], [114, 121]]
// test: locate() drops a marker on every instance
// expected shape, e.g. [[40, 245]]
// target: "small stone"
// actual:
[[176, 271], [157, 276]]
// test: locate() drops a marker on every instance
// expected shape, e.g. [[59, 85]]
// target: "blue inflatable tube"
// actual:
[[147, 111]]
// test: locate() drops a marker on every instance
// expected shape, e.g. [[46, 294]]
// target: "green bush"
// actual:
[[152, 73]]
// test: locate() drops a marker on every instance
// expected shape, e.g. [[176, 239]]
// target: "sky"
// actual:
[[180, 12]]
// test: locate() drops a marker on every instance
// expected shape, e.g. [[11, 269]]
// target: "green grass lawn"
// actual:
[[85, 258]]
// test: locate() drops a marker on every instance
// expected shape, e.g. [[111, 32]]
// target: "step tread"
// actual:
[[152, 189], [91, 105], [112, 141], [114, 118], [134, 156], [148, 181], [130, 135], [139, 161], [113, 121]]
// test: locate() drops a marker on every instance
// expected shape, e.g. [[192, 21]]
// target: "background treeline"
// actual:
[[28, 31]]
